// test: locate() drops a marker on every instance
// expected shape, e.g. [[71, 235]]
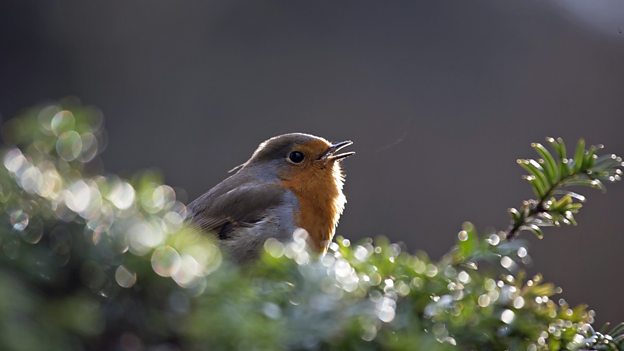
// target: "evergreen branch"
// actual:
[[549, 177]]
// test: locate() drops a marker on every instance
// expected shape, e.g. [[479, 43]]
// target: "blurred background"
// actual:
[[440, 97]]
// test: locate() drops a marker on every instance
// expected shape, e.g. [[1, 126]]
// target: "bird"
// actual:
[[291, 181]]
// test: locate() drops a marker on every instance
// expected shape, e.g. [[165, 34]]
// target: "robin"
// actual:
[[291, 181]]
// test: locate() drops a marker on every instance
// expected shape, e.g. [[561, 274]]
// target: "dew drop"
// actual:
[[507, 316], [431, 271], [472, 265], [483, 300], [361, 253], [463, 277], [462, 235], [538, 299], [522, 252], [494, 240], [506, 262], [386, 309]]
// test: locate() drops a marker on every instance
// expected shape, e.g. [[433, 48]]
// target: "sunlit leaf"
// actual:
[[579, 155], [550, 165]]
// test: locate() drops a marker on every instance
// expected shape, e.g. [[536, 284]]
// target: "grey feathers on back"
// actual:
[[243, 212]]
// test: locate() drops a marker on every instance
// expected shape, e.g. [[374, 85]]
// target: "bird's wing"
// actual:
[[239, 207]]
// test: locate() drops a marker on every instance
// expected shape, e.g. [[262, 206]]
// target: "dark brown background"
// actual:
[[440, 97]]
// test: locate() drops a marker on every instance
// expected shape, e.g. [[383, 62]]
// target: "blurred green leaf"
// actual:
[[579, 155]]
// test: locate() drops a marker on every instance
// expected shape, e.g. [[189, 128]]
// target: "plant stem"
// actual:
[[514, 228]]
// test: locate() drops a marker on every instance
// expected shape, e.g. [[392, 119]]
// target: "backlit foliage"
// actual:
[[90, 261]]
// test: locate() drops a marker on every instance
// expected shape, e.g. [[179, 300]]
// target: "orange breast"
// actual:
[[318, 220], [320, 204]]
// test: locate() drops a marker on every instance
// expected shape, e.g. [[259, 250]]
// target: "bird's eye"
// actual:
[[296, 157]]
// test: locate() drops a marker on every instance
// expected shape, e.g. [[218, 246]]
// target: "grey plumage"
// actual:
[[243, 212]]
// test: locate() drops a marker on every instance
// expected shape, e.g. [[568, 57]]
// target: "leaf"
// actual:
[[550, 166], [536, 171], [535, 229], [618, 332], [572, 194], [538, 187], [564, 170], [590, 183], [589, 158], [559, 147], [539, 172], [605, 162], [578, 155], [570, 217], [468, 240], [515, 215]]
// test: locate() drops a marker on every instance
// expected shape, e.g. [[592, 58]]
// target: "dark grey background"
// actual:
[[440, 97]]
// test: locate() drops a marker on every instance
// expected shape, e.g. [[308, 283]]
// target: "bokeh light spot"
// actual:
[[62, 121], [14, 160], [89, 147], [166, 261], [507, 316], [124, 277], [274, 247], [77, 196], [462, 235], [122, 195], [19, 220], [69, 145], [34, 232]]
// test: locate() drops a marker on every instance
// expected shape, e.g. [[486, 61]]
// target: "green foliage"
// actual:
[[93, 261], [550, 176]]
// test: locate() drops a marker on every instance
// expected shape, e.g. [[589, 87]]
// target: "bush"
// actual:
[[97, 262]]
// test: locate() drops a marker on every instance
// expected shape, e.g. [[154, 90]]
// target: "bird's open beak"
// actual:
[[331, 153]]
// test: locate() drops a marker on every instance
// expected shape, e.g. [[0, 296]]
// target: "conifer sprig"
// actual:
[[551, 176]]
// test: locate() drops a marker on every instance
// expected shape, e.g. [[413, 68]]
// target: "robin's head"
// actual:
[[300, 157]]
